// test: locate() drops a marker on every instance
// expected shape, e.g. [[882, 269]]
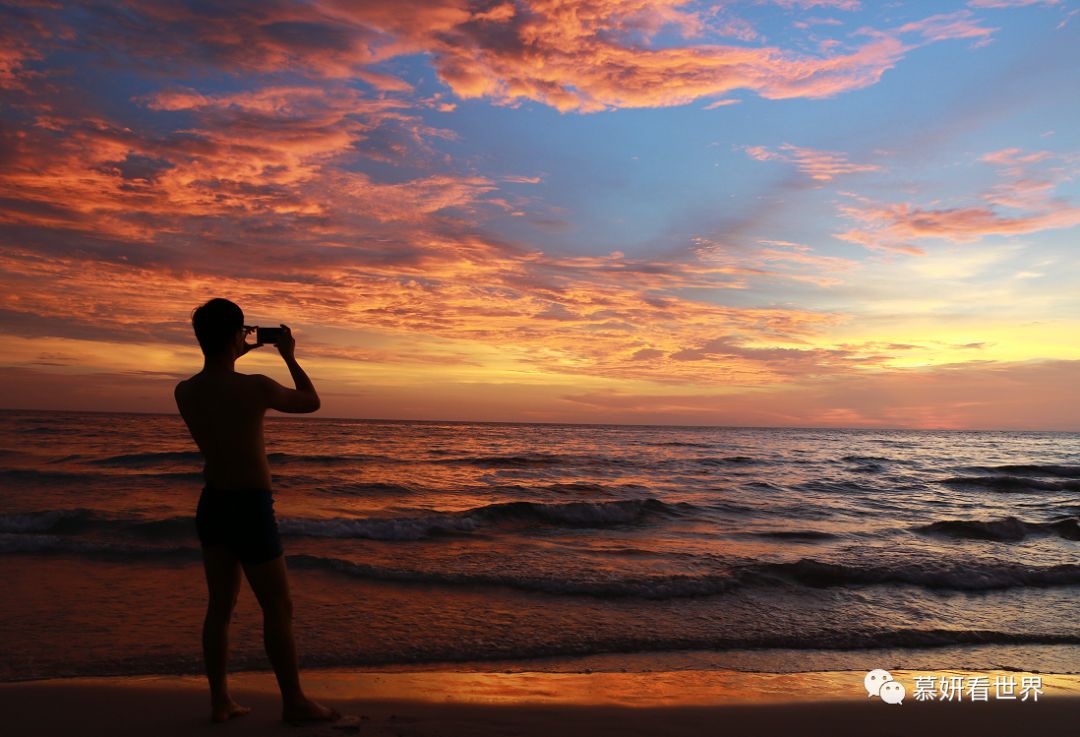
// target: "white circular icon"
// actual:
[[892, 692], [873, 681]]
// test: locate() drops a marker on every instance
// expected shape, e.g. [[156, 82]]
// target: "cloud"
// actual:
[[820, 165], [292, 156], [961, 24], [1009, 3], [269, 152], [894, 226], [721, 103], [774, 261], [1029, 182], [573, 55], [811, 4]]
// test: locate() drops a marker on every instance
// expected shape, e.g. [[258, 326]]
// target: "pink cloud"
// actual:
[[1029, 183], [960, 24], [721, 103], [819, 165], [1009, 3], [893, 227], [811, 4]]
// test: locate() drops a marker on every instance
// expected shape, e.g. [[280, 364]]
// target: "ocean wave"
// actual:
[[148, 460], [584, 514], [945, 575], [47, 475], [377, 528], [38, 533], [683, 444], [1014, 484], [189, 457], [285, 459], [796, 535], [725, 460], [80, 520], [646, 587], [1029, 469], [157, 529], [56, 544], [1007, 529], [376, 488], [724, 578], [57, 476], [51, 520], [474, 654], [502, 649], [530, 459], [568, 514], [576, 486], [868, 468], [404, 528]]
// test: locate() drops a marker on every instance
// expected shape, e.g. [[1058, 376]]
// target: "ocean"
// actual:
[[518, 546]]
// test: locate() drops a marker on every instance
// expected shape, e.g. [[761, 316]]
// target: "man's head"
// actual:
[[217, 325]]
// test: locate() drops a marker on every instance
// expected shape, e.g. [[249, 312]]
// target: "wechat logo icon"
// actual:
[[880, 683]]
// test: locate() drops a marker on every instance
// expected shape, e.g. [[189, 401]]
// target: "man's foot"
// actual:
[[227, 710], [308, 711]]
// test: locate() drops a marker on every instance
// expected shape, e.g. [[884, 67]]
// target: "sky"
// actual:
[[811, 213]]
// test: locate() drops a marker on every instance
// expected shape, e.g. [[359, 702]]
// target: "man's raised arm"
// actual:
[[300, 400]]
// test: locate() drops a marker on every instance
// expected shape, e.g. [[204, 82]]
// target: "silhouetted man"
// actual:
[[235, 517]]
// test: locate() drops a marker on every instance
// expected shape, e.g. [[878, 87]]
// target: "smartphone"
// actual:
[[268, 336]]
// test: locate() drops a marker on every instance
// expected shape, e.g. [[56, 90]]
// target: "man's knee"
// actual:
[[278, 607], [220, 610]]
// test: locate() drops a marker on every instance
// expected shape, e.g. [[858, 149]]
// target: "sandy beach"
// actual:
[[499, 704]]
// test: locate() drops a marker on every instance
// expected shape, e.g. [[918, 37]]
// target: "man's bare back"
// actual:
[[225, 415], [224, 411]]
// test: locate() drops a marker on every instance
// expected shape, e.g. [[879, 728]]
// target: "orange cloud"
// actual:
[[275, 151], [575, 55], [775, 260]]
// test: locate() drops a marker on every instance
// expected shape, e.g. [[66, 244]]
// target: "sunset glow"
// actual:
[[775, 213]]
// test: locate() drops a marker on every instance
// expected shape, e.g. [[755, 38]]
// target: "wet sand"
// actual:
[[448, 704]]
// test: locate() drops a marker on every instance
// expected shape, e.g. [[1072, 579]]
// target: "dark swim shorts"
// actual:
[[242, 519]]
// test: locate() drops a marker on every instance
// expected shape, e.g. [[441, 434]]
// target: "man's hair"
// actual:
[[216, 323]]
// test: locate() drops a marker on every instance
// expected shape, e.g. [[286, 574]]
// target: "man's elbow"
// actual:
[[314, 404]]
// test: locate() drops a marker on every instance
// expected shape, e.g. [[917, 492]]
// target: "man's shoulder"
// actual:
[[256, 382]]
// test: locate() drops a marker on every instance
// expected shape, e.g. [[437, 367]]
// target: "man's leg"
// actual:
[[270, 583], [223, 585]]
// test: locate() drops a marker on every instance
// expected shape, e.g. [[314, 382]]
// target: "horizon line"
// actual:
[[573, 424]]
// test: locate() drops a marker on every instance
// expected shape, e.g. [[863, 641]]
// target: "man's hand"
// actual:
[[286, 343], [249, 347]]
